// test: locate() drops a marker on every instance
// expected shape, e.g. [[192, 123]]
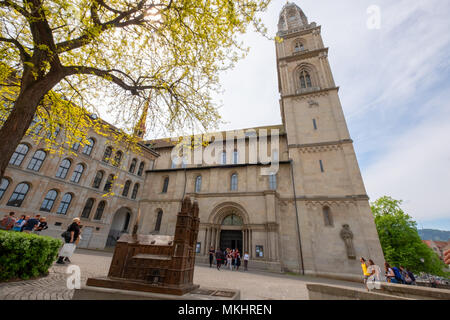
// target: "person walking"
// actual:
[[364, 270], [8, 222], [211, 256], [73, 232], [237, 260], [19, 223], [31, 224], [375, 274], [218, 258], [246, 258]]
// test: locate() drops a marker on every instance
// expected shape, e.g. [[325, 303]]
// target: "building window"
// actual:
[[321, 166], [3, 187], [299, 47], [315, 124], [173, 165], [49, 200], [141, 168], [76, 145], [327, 216], [275, 156], [235, 157], [37, 160], [234, 182], [305, 80], [165, 185], [64, 204], [232, 220], [63, 169], [135, 191], [127, 222], [98, 179], [118, 158], [87, 150], [77, 173], [99, 212], [198, 184], [107, 155], [87, 208], [54, 133], [126, 188], [133, 165], [19, 155], [18, 195], [224, 158], [158, 220], [273, 182], [109, 182]]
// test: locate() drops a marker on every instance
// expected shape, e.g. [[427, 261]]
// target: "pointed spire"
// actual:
[[140, 128]]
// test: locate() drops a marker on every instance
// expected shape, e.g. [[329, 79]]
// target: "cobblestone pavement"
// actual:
[[254, 285]]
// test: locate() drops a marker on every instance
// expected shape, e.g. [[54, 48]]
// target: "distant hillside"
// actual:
[[432, 234]]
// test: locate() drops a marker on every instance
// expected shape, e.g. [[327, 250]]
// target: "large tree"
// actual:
[[400, 240], [60, 59]]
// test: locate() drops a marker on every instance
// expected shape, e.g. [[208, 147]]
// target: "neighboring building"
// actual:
[[439, 247], [64, 187], [313, 214]]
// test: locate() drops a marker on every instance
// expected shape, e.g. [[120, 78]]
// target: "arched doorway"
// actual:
[[231, 232], [120, 225]]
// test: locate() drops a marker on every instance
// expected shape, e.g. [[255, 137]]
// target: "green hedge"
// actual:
[[25, 255]]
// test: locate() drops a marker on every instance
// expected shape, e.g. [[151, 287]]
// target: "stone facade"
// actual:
[[98, 228]]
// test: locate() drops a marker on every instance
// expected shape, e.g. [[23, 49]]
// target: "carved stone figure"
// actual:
[[347, 236]]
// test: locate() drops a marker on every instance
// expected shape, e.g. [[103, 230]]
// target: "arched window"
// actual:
[[198, 184], [126, 188], [37, 160], [274, 156], [99, 212], [133, 165], [87, 208], [235, 157], [118, 158], [234, 182], [223, 158], [305, 80], [87, 150], [64, 204], [109, 182], [63, 169], [49, 200], [141, 168], [158, 220], [232, 220], [98, 179], [165, 185], [18, 195], [52, 134], [19, 155], [135, 191], [3, 187], [76, 145], [107, 154], [76, 175], [273, 182], [327, 216], [299, 47]]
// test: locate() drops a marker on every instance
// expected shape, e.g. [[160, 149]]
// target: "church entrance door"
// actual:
[[231, 239]]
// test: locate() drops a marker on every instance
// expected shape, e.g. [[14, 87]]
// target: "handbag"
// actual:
[[66, 235], [67, 250]]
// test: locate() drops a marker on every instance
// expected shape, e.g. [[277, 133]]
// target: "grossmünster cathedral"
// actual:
[[312, 215]]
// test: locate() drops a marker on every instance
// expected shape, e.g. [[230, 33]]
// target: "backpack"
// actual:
[[398, 275]]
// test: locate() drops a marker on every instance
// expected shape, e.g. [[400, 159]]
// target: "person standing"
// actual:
[[390, 275], [218, 258], [31, 224], [19, 223], [41, 226], [246, 258], [237, 260], [74, 237], [8, 222], [229, 260], [364, 270], [375, 274], [211, 256]]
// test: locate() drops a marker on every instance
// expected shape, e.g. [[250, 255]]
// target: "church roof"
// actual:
[[291, 17]]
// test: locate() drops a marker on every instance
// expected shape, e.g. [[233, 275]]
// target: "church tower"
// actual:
[[336, 225]]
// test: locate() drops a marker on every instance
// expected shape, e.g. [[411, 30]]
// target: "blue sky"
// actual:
[[394, 88]]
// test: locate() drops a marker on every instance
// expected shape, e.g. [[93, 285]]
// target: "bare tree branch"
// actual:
[[23, 54]]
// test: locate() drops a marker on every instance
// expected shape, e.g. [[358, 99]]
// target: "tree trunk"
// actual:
[[21, 116]]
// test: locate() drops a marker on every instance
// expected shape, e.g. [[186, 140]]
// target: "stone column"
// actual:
[[251, 243], [205, 243], [243, 241]]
